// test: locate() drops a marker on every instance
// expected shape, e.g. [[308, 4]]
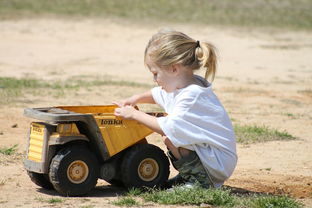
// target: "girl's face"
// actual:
[[164, 77]]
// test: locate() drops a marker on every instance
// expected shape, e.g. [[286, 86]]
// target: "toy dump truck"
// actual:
[[70, 147]]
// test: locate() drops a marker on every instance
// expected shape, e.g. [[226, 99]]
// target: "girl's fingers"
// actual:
[[117, 112], [117, 103]]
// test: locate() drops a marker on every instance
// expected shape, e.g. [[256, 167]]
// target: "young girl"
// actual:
[[197, 130]]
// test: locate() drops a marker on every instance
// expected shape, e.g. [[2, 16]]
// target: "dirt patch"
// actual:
[[297, 187]]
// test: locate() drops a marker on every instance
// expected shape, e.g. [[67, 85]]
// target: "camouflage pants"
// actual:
[[191, 169]]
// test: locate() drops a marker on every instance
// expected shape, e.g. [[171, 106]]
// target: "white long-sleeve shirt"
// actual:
[[197, 121]]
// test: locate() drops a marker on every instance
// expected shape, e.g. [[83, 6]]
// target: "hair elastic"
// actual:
[[197, 44]]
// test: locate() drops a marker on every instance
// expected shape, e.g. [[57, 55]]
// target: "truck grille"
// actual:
[[36, 139]]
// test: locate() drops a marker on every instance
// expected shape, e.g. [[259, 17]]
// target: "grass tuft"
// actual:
[[55, 200], [134, 192], [127, 201], [50, 201], [194, 196], [211, 198], [13, 83], [253, 134], [9, 150], [274, 202]]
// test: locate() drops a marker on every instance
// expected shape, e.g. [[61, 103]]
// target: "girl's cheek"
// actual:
[[157, 81]]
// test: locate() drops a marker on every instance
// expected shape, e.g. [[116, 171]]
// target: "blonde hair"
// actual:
[[168, 47]]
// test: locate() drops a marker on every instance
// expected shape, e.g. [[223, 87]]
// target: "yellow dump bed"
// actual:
[[117, 133], [107, 133]]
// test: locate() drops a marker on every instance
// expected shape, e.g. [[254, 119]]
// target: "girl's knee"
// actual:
[[172, 148], [168, 143]]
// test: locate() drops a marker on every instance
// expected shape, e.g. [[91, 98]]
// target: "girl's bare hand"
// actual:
[[126, 112], [129, 101]]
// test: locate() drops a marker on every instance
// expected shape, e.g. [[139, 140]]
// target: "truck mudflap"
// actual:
[[37, 167]]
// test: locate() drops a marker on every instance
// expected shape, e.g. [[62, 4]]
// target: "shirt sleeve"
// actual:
[[158, 96]]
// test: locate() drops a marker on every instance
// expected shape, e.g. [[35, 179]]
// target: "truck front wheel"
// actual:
[[74, 171], [144, 165]]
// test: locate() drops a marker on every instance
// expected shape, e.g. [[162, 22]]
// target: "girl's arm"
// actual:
[[129, 112], [145, 97]]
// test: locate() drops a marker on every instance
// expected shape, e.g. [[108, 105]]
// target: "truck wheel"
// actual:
[[41, 180], [145, 165], [74, 171]]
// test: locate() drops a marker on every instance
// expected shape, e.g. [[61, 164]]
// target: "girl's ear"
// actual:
[[174, 69]]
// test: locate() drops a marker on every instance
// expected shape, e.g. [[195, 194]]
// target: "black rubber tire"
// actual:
[[40, 179], [131, 164], [60, 165]]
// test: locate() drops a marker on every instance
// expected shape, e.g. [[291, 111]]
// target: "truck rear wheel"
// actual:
[[74, 171], [40, 179], [145, 165]]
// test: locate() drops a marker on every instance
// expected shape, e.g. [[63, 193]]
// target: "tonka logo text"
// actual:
[[37, 129], [111, 122]]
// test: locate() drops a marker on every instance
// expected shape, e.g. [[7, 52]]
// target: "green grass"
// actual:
[[54, 201], [292, 116], [9, 150], [14, 83], [247, 134], [126, 201], [214, 197], [274, 13], [13, 88], [11, 83], [51, 200], [195, 196], [103, 82], [274, 202]]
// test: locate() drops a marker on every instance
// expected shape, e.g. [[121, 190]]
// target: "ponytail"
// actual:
[[206, 55]]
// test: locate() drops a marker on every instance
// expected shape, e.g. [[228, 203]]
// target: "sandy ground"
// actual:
[[264, 78]]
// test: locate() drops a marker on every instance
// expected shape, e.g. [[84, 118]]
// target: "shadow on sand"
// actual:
[[98, 191], [242, 192]]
